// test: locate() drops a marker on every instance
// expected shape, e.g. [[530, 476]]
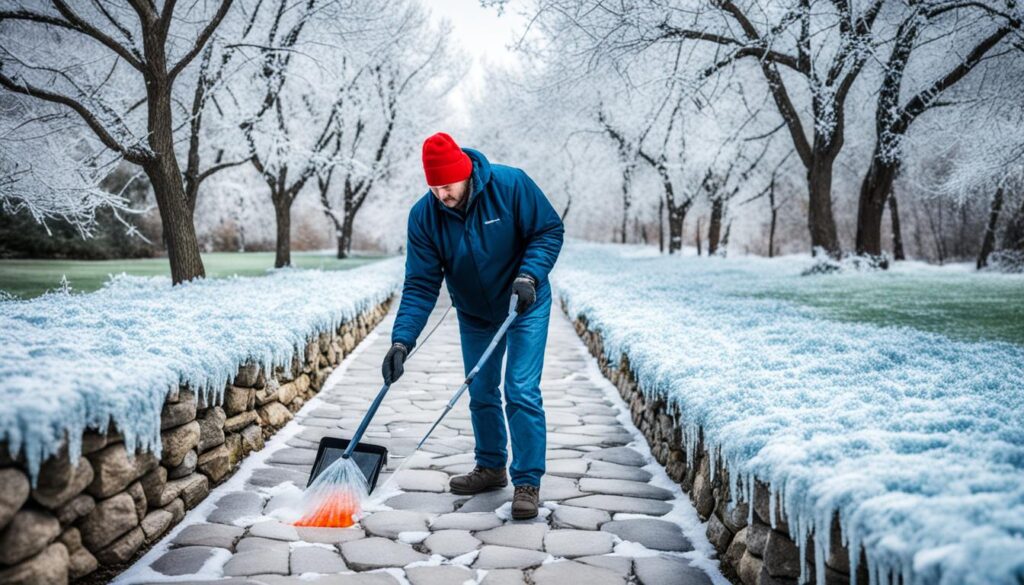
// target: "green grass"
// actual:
[[30, 278], [963, 305]]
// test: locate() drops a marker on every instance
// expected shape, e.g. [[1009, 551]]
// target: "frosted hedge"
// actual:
[[915, 440], [69, 362]]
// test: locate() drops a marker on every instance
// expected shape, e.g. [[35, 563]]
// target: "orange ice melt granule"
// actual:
[[337, 510]]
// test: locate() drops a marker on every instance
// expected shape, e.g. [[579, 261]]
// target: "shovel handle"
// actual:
[[366, 421]]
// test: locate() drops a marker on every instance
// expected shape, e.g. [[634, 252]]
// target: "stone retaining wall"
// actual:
[[89, 520], [750, 553]]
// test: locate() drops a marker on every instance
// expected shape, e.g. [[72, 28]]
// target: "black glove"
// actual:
[[526, 288], [394, 363]]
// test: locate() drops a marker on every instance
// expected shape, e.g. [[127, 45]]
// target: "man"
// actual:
[[488, 231]]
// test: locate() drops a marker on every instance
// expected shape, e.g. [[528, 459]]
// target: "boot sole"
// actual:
[[522, 516], [489, 488]]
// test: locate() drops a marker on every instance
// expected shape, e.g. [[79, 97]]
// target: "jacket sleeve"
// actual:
[[423, 275], [541, 227]]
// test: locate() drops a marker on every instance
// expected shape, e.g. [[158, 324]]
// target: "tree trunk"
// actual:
[[283, 216], [626, 180], [989, 241], [164, 173], [774, 218], [820, 220], [661, 226], [676, 217], [696, 237], [897, 231], [345, 237], [874, 191], [715, 227], [724, 247], [1013, 235]]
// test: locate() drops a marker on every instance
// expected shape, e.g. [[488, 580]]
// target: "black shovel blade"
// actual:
[[370, 459]]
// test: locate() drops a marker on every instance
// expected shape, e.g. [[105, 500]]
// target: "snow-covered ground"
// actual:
[[70, 362], [916, 439]]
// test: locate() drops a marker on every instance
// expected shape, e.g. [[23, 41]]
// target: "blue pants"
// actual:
[[524, 408]]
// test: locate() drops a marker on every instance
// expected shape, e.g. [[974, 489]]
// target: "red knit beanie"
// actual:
[[444, 162]]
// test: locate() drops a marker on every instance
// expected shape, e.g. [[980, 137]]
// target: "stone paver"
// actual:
[[652, 533], [258, 561], [621, 487], [578, 543], [378, 553], [466, 521], [451, 543], [217, 535], [420, 533], [622, 504], [316, 559], [506, 557], [440, 575], [571, 572], [664, 570], [516, 535], [183, 561]]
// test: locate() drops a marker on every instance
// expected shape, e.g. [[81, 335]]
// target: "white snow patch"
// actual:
[[466, 559], [413, 536], [505, 513]]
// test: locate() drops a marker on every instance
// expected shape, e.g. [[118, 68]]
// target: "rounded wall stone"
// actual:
[[14, 491], [177, 442], [27, 533], [111, 518], [50, 567], [114, 469], [59, 483]]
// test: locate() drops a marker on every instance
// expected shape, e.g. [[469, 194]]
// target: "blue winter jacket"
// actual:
[[508, 228]]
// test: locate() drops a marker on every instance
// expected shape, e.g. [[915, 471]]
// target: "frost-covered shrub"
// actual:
[[825, 264], [1011, 261]]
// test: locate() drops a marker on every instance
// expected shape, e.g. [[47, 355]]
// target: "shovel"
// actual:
[[372, 458]]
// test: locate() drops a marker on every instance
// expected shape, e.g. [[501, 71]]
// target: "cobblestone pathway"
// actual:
[[602, 497]]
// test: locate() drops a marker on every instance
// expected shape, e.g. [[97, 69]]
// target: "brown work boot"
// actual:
[[481, 479], [525, 502]]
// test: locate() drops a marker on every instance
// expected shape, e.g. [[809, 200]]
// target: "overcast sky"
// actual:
[[483, 36]]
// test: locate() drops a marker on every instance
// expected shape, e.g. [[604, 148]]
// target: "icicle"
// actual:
[[771, 504], [822, 544], [712, 459], [852, 550], [750, 498], [733, 487], [802, 534]]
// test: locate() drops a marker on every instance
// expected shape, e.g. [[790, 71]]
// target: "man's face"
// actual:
[[452, 195]]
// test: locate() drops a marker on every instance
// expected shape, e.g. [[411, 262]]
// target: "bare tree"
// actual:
[[287, 114], [825, 47], [139, 43], [376, 105], [894, 115]]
